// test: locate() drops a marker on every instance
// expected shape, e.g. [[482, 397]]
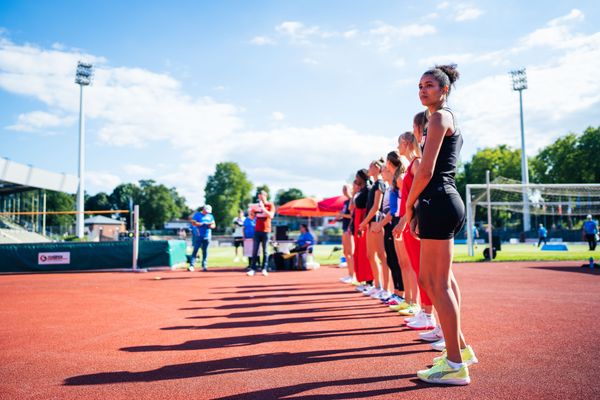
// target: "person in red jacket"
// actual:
[[264, 214]]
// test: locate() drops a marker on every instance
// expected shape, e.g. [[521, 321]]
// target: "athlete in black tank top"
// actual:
[[446, 161], [440, 215]]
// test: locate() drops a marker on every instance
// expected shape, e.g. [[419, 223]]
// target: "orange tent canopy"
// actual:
[[307, 207]]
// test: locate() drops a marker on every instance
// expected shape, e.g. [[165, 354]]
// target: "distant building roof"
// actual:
[[101, 220], [16, 177]]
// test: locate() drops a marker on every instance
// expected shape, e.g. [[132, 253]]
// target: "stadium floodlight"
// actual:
[[519, 82], [83, 77]]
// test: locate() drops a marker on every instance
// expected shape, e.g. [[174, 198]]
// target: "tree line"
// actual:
[[228, 190], [570, 159]]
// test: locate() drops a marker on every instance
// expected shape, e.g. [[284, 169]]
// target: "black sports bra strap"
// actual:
[[453, 120]]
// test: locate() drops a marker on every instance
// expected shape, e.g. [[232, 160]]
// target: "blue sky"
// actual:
[[300, 94]]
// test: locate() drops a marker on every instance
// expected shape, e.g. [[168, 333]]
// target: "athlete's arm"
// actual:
[[439, 124], [373, 210]]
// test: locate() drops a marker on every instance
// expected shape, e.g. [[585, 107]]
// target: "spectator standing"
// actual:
[[249, 224], [202, 225], [264, 215], [238, 234], [590, 230], [542, 235]]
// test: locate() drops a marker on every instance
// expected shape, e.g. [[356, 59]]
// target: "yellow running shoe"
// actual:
[[467, 354], [400, 306], [410, 311], [443, 374]]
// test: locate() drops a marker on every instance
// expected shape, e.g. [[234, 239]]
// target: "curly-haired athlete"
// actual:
[[440, 214]]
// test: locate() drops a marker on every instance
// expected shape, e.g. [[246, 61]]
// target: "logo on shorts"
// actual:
[[426, 201]]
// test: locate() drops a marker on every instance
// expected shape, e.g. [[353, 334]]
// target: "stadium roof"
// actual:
[[102, 220], [16, 177]]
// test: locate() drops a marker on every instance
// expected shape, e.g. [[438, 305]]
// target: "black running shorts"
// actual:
[[440, 216]]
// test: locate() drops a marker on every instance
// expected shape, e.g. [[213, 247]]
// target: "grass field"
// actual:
[[223, 256]]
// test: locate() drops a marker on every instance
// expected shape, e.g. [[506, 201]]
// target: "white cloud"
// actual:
[[443, 5], [403, 82], [558, 33], [386, 36], [40, 121], [467, 13], [103, 181], [559, 89], [262, 41], [350, 34], [399, 62], [310, 61], [138, 170], [278, 116], [318, 163], [300, 34]]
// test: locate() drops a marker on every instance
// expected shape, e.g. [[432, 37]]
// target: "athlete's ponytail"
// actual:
[[446, 75]]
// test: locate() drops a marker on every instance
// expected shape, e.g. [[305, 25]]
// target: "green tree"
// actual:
[[502, 161], [184, 209], [589, 151], [227, 191], [570, 159], [283, 196], [158, 204], [98, 202], [123, 196], [59, 201], [558, 162]]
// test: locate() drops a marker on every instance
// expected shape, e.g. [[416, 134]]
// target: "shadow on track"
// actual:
[[285, 392], [238, 364], [279, 296], [270, 313], [263, 304], [576, 268], [248, 340], [281, 321]]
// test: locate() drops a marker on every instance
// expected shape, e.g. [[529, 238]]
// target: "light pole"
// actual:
[[83, 77], [519, 82]]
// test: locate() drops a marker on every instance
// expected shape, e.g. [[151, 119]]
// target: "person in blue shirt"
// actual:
[[303, 246], [590, 230], [542, 235], [248, 232], [202, 225]]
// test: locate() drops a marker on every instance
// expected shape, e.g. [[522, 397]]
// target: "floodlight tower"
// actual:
[[83, 77], [519, 82]]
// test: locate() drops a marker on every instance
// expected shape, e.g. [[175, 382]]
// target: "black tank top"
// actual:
[[443, 178], [379, 185], [346, 220]]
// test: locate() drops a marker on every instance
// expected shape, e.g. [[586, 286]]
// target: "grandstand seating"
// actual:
[[13, 233]]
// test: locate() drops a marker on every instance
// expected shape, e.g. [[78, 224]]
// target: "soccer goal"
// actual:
[[566, 200]]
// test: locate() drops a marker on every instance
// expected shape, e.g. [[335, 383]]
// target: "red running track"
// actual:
[[297, 335]]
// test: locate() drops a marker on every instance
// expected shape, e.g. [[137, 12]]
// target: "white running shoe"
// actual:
[[250, 272], [366, 288], [265, 272], [423, 322], [191, 269], [346, 279], [383, 294], [371, 291], [414, 318], [440, 345], [432, 336]]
